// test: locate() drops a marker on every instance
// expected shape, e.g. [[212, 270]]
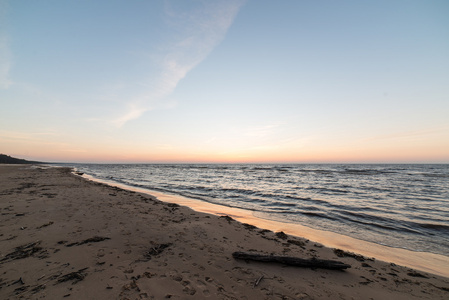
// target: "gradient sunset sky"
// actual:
[[225, 81]]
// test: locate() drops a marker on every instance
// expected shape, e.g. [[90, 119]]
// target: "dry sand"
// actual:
[[65, 237]]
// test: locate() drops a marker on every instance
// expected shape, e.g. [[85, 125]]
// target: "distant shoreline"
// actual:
[[6, 159]]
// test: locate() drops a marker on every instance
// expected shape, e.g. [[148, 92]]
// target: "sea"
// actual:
[[396, 205]]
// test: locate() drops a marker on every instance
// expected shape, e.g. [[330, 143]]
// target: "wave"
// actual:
[[275, 204], [317, 215], [376, 221], [436, 175], [239, 191], [438, 227], [327, 190]]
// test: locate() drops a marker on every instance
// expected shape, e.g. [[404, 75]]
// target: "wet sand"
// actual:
[[65, 237]]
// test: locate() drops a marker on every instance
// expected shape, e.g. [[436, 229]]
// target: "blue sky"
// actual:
[[225, 81]]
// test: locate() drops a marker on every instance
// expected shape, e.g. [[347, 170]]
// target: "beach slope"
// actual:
[[65, 237]]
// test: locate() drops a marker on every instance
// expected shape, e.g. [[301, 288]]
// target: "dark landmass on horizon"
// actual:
[[6, 159]]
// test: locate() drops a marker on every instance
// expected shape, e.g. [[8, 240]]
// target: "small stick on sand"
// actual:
[[258, 281]]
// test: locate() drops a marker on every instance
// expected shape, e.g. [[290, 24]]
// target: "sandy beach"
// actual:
[[63, 236]]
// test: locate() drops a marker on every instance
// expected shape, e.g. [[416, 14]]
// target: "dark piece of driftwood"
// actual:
[[293, 261]]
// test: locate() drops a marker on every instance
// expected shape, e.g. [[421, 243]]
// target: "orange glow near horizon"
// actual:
[[235, 150], [336, 155]]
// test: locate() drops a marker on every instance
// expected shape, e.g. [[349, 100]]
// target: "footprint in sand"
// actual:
[[201, 285], [188, 289], [100, 253]]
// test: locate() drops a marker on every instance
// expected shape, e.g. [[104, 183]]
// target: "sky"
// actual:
[[225, 81]]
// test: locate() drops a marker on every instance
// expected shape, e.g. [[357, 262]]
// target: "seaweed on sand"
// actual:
[[23, 251], [94, 239], [156, 250], [75, 276]]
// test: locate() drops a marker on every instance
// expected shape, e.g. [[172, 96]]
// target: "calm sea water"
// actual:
[[404, 206]]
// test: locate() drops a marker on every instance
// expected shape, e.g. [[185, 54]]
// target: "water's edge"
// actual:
[[423, 261], [399, 206]]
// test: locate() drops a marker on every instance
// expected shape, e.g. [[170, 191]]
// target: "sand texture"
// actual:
[[63, 237]]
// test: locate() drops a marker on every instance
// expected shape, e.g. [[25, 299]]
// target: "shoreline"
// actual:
[[424, 261], [63, 236]]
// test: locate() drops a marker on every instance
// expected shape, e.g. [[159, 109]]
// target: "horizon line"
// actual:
[[250, 163]]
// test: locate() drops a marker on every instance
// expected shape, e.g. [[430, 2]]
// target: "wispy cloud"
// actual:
[[133, 112], [262, 131], [5, 53], [196, 32], [49, 140], [36, 136], [410, 135]]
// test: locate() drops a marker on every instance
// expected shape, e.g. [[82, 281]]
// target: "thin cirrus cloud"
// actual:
[[198, 32], [411, 134]]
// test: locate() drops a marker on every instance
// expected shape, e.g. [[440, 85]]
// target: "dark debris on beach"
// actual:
[[341, 253], [25, 251], [75, 277], [94, 239], [156, 250]]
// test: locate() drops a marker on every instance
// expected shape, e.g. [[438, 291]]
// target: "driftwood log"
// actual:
[[293, 261]]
